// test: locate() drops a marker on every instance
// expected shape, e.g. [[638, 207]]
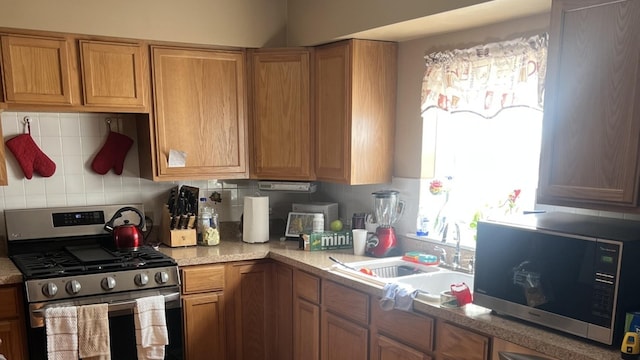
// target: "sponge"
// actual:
[[421, 258]]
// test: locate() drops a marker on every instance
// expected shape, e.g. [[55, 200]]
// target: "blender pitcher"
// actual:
[[387, 208]]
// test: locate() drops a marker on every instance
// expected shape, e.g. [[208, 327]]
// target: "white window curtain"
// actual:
[[487, 78]]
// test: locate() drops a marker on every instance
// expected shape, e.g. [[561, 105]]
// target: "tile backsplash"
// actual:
[[72, 140]]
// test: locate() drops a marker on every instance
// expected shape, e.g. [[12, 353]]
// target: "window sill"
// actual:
[[437, 241]]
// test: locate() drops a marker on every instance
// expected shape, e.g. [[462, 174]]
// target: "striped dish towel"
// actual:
[[61, 327], [151, 328]]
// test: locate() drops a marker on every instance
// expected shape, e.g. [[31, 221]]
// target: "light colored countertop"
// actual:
[[9, 273], [562, 347]]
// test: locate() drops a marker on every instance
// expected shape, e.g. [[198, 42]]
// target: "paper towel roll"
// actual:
[[255, 223]]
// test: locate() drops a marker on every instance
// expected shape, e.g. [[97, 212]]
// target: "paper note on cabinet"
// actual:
[[177, 158]]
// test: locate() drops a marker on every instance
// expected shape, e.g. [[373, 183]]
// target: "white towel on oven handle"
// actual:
[[61, 328], [151, 327], [93, 332]]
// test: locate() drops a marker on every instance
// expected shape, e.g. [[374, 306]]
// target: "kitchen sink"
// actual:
[[432, 284], [430, 280], [384, 270]]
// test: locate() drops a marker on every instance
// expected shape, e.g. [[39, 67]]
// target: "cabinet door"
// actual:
[[306, 337], [591, 129], [13, 344], [204, 326], [415, 330], [387, 349], [113, 74], [200, 103], [454, 343], [284, 312], [36, 70], [281, 118], [332, 112], [250, 311], [342, 339], [355, 92], [500, 345]]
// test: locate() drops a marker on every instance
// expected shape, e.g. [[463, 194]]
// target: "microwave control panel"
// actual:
[[605, 282]]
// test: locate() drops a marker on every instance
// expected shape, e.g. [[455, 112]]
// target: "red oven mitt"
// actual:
[[30, 157], [112, 154]]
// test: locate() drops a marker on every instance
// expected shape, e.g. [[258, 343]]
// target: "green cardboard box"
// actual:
[[328, 240]]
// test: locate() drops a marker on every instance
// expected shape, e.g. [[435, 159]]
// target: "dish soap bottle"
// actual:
[[422, 223]]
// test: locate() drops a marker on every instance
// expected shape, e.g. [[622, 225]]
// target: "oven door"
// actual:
[[121, 323]]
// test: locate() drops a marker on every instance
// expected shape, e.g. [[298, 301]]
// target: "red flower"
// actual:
[[436, 187]]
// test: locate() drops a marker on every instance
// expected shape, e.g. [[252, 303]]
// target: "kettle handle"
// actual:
[[109, 224]]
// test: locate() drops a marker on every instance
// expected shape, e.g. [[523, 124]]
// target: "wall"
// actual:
[[72, 141], [315, 22], [409, 131], [245, 23]]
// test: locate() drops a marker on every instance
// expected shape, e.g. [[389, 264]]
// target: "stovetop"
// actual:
[[67, 254], [87, 259]]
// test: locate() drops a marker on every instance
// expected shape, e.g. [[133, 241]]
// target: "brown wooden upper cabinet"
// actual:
[[114, 74], [200, 110], [38, 70], [355, 93], [281, 126], [591, 128]]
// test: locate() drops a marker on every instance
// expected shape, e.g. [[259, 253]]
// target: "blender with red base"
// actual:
[[387, 208]]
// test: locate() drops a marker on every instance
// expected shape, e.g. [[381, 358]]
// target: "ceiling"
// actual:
[[460, 19]]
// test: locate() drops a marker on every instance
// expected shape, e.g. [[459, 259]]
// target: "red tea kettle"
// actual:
[[126, 236]]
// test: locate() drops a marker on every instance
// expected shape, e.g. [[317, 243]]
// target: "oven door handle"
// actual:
[[113, 306]]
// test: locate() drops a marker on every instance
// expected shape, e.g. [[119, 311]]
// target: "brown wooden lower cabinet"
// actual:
[[250, 310], [284, 312], [306, 316], [400, 334], [384, 348], [204, 326], [306, 344], [12, 324], [203, 312], [455, 343], [342, 339], [499, 345]]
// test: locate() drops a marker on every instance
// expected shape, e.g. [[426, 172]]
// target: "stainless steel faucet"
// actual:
[[455, 263], [443, 254]]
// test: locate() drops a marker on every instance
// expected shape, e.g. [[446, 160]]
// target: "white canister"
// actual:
[[255, 220]]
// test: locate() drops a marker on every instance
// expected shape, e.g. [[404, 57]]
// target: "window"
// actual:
[[482, 117], [486, 159]]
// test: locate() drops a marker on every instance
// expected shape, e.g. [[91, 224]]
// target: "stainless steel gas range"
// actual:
[[68, 259]]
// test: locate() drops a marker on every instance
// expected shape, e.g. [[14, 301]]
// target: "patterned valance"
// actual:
[[487, 78]]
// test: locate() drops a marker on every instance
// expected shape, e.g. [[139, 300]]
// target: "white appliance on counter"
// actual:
[[329, 209]]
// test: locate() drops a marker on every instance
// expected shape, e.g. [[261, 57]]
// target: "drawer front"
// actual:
[[412, 329], [9, 302], [345, 301], [307, 286], [202, 278]]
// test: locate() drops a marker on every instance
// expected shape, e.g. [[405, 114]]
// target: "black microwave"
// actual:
[[575, 273]]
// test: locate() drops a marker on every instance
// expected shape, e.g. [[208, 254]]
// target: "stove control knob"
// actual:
[[108, 283], [50, 290], [141, 279], [162, 277], [73, 287]]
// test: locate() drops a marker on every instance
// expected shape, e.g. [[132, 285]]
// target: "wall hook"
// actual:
[[26, 122]]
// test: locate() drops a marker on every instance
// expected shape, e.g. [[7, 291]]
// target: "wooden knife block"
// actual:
[[175, 238]]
